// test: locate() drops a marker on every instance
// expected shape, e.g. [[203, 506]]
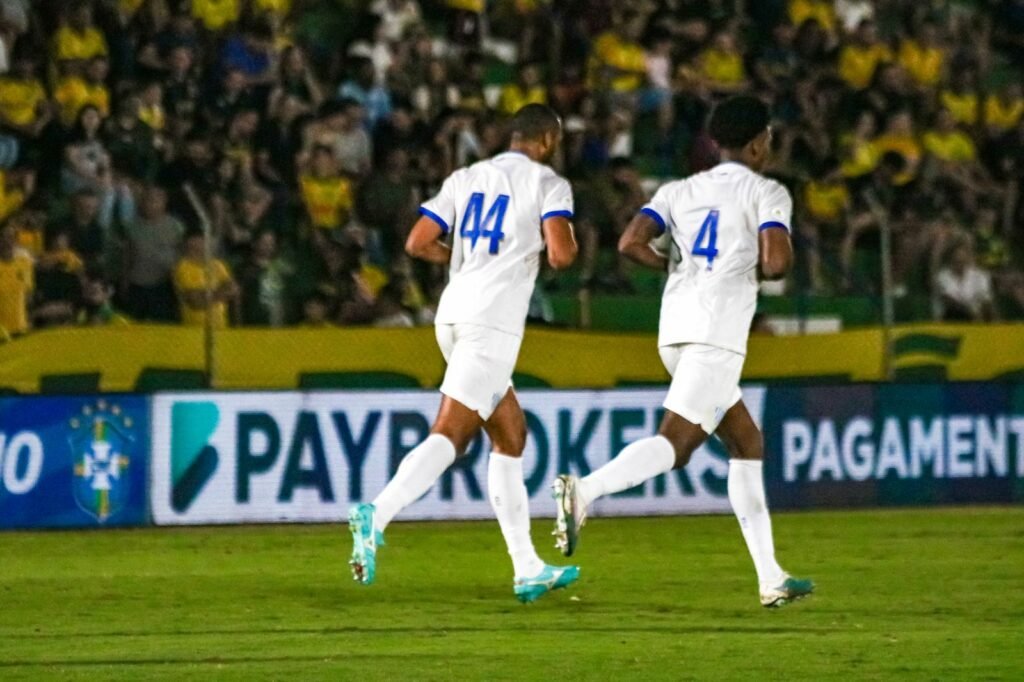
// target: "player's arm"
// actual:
[[775, 215], [776, 252], [635, 243], [561, 242], [425, 243]]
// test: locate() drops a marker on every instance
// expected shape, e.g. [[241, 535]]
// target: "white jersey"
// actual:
[[714, 219], [494, 211]]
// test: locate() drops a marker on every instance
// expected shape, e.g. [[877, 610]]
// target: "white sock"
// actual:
[[511, 505], [639, 461], [746, 493], [416, 474]]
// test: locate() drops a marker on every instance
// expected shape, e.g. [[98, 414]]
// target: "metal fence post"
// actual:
[[209, 341]]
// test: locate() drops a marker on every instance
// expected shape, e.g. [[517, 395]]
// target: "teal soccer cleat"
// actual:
[[551, 578], [365, 540], [790, 590]]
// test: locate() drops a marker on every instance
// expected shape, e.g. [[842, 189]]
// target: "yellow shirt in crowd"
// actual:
[[10, 199], [74, 93], [216, 14], [1001, 115], [68, 260], [954, 146], [964, 107], [625, 58], [278, 7], [819, 10], [861, 159], [328, 201], [904, 145], [514, 98], [16, 283], [31, 240], [153, 116], [721, 67], [20, 100], [70, 44], [826, 201], [467, 5], [190, 275], [857, 64], [130, 7], [924, 64]]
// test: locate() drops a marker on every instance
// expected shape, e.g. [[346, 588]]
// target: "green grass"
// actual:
[[902, 595]]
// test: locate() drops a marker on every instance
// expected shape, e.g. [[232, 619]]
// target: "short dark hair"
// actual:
[[534, 121], [738, 120]]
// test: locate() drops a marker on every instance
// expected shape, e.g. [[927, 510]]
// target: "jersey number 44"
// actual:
[[477, 225]]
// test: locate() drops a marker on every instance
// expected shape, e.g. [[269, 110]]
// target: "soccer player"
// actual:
[[730, 227], [506, 210]]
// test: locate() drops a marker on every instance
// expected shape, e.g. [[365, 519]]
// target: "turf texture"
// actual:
[[907, 595]]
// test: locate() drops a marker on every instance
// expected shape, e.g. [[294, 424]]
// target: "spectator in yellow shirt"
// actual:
[[947, 143], [825, 203], [899, 137], [216, 15], [923, 58], [617, 61], [527, 89], [721, 65], [961, 97], [276, 8], [821, 11], [78, 40], [15, 187], [190, 282], [1004, 109], [30, 226], [24, 109], [96, 308], [859, 59], [955, 158], [151, 108], [326, 193], [860, 156], [74, 92], [17, 282]]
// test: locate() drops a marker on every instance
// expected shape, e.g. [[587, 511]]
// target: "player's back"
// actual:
[[714, 218], [496, 209]]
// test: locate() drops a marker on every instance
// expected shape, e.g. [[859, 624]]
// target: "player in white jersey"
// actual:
[[499, 215], [729, 226]]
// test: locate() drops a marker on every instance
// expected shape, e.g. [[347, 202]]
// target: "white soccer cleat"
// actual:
[[789, 590], [571, 513]]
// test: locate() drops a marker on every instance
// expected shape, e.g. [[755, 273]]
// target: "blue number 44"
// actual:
[[707, 238], [476, 225]]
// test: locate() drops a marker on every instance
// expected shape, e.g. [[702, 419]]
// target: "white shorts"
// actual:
[[705, 382], [481, 361]]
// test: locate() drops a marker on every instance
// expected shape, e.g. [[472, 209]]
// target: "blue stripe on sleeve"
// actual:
[[436, 218], [556, 214], [772, 223], [656, 217]]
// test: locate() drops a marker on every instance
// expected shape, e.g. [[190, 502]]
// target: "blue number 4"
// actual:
[[476, 225], [707, 238]]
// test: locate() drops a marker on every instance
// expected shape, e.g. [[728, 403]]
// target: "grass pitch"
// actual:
[[905, 595]]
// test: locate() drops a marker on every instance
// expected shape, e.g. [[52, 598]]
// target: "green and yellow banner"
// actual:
[[150, 358]]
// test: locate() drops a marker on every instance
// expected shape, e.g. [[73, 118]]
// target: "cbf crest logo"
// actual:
[[101, 438]]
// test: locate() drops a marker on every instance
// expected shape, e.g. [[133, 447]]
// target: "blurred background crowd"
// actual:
[[305, 133]]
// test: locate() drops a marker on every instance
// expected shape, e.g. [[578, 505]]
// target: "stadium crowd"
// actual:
[[304, 133]]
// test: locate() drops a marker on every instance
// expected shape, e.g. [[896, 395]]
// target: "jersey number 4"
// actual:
[[476, 225], [707, 238]]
